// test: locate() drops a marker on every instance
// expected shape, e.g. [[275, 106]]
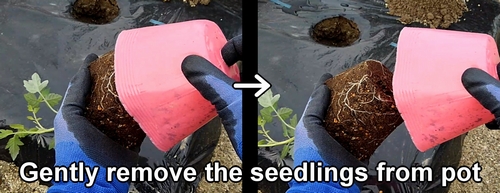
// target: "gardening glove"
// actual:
[[77, 140], [314, 144], [486, 90], [217, 88]]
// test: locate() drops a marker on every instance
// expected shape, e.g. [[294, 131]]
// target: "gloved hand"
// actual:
[[313, 143], [77, 140], [217, 88], [486, 90]]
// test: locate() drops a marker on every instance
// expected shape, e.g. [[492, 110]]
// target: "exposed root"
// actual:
[[345, 103]]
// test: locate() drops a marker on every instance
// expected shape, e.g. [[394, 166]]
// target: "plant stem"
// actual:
[[278, 143], [284, 122], [40, 131], [36, 121], [265, 134], [45, 100]]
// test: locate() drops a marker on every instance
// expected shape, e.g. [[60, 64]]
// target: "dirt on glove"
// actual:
[[362, 111], [432, 13], [104, 109]]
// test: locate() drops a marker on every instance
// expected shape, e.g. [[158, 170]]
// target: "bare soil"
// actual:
[[362, 112], [95, 11], [432, 13], [104, 109], [336, 31]]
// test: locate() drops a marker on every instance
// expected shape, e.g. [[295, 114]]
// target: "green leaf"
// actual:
[[32, 100], [284, 152], [13, 146], [4, 133], [266, 114], [262, 142], [291, 150], [18, 127], [261, 121], [53, 99], [35, 84], [52, 144], [267, 99], [293, 121], [45, 92], [22, 135], [258, 131], [291, 132], [31, 118], [35, 109], [285, 112], [285, 130]]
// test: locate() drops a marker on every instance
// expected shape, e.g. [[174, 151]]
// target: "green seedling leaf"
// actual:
[[52, 144], [4, 133], [291, 132], [266, 114], [35, 84], [284, 113], [45, 92], [291, 149], [35, 109], [267, 99], [261, 121], [18, 127], [31, 118], [53, 99], [293, 121], [32, 100], [258, 131], [284, 152], [262, 142], [13, 146]]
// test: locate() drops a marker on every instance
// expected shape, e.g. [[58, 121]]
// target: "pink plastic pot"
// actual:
[[427, 82], [150, 83]]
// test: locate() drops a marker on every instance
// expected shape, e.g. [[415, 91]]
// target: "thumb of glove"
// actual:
[[484, 88], [217, 88]]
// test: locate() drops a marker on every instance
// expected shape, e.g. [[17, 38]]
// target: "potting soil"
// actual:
[[292, 61]]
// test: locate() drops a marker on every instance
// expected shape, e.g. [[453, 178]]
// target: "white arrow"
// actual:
[[263, 85]]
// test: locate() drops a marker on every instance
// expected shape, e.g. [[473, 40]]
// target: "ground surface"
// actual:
[[225, 154], [433, 13], [481, 145]]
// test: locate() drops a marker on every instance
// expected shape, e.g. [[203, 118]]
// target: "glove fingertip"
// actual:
[[232, 51], [472, 76], [493, 125], [89, 59]]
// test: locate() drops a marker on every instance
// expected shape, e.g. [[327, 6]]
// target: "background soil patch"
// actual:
[[433, 13], [104, 109], [336, 31], [95, 11], [362, 112]]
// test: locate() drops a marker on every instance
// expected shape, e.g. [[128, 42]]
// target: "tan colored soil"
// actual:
[[432, 13]]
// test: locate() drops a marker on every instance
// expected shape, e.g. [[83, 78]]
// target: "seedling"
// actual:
[[270, 111], [38, 94]]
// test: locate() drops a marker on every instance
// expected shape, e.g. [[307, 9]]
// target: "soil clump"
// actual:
[[336, 31], [362, 112], [95, 11], [104, 109], [432, 13]]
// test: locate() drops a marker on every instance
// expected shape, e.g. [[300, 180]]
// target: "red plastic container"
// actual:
[[427, 82], [150, 83]]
